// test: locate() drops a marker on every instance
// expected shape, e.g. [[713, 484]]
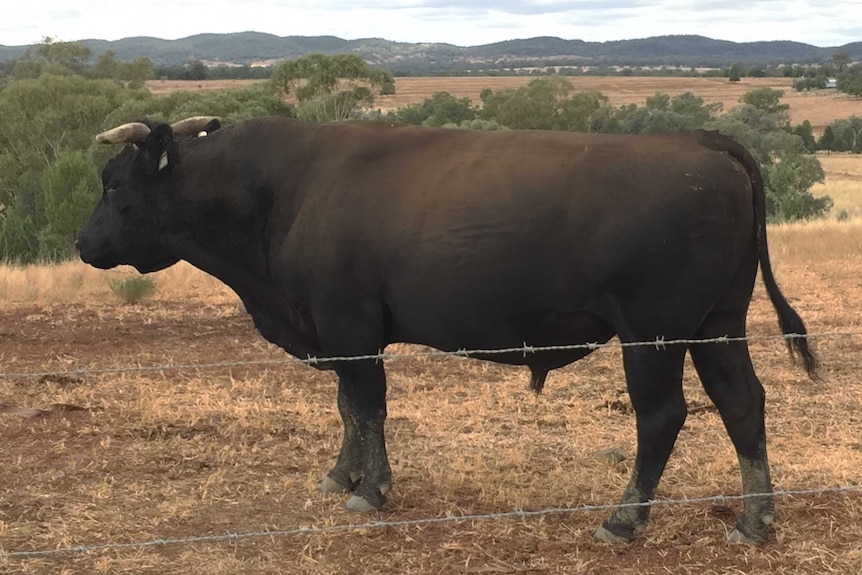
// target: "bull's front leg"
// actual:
[[362, 465], [345, 475]]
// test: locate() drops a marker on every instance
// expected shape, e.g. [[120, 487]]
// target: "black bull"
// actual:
[[343, 238]]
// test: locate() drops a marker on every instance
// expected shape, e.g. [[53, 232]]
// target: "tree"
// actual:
[[806, 134], [766, 99], [661, 113], [329, 88], [71, 187], [440, 109], [736, 72], [761, 123], [827, 139], [840, 59], [850, 81], [64, 57], [196, 70], [136, 72], [536, 106], [584, 111]]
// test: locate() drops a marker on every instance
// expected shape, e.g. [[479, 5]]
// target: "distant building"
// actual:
[[831, 83]]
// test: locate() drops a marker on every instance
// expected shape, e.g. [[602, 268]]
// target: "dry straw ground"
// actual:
[[210, 451]]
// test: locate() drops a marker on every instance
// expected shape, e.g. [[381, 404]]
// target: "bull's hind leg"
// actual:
[[654, 379], [727, 375]]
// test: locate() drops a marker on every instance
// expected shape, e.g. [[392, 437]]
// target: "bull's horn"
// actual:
[[132, 133], [193, 125]]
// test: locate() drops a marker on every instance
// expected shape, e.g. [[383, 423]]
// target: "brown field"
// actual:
[[129, 457], [819, 108], [205, 452]]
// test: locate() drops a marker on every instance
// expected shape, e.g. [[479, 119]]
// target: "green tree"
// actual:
[[136, 72], [329, 88], [761, 123], [584, 111], [766, 99], [48, 163], [806, 134], [196, 70], [440, 109], [64, 57], [850, 81], [827, 139], [71, 186], [536, 106], [844, 135], [661, 113], [840, 59]]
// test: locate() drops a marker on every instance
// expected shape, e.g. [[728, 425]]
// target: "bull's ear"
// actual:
[[157, 151]]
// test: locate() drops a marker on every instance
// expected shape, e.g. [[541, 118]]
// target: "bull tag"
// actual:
[[201, 134], [163, 161]]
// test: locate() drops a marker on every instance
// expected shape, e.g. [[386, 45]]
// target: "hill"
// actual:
[[254, 48]]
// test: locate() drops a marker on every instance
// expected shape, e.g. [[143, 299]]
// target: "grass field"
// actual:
[[818, 107], [131, 456]]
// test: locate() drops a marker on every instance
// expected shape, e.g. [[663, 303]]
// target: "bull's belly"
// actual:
[[471, 334]]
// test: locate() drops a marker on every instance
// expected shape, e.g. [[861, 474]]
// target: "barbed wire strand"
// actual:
[[525, 349], [519, 514]]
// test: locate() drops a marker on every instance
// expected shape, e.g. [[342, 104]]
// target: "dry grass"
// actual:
[[843, 183], [76, 283], [819, 107]]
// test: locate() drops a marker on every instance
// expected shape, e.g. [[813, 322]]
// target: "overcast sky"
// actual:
[[464, 22]]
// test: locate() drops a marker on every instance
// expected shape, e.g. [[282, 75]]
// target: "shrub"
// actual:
[[132, 290]]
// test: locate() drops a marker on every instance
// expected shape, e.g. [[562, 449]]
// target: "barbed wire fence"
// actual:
[[340, 528], [658, 343], [521, 514]]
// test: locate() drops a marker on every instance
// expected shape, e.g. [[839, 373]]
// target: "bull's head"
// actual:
[[124, 227]]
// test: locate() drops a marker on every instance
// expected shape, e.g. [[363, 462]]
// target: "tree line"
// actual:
[[54, 104]]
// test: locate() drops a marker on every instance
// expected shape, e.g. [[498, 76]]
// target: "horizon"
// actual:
[[151, 37], [463, 23]]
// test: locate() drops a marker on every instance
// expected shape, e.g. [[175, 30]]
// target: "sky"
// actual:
[[459, 22]]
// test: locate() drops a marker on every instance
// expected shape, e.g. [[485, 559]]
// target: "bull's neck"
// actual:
[[236, 201]]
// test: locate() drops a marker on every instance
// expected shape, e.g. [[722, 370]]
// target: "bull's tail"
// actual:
[[791, 324]]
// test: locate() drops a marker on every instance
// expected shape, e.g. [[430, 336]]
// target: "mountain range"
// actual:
[[255, 48]]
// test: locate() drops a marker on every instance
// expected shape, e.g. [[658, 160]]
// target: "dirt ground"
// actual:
[[127, 457]]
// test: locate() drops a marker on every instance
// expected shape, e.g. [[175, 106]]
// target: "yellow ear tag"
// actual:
[[163, 161]]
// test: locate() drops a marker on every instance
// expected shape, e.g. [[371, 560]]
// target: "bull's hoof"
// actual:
[[746, 536], [603, 534], [616, 533], [329, 485], [361, 505], [335, 482], [737, 536]]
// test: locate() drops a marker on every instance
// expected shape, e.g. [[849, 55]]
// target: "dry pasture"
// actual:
[[818, 107], [125, 457]]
